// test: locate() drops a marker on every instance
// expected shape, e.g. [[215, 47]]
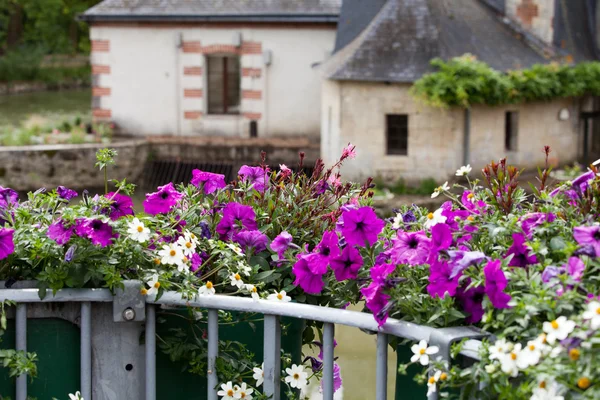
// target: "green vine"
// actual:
[[464, 81], [18, 362]]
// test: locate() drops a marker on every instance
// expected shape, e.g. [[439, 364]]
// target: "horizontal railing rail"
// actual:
[[272, 311]]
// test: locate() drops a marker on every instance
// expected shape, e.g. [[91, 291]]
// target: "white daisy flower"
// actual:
[[490, 368], [237, 249], [171, 254], [422, 352], [513, 361], [432, 383], [187, 246], [548, 390], [532, 353], [398, 221], [154, 285], [253, 291], [435, 218], [499, 349], [259, 374], [244, 268], [137, 231], [558, 329], [593, 314], [464, 170], [279, 296], [236, 280], [440, 189], [227, 391], [296, 378], [76, 396], [243, 392], [190, 237], [206, 290]]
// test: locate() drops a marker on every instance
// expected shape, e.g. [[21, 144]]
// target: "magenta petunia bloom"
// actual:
[[8, 197], [60, 233], [495, 283], [257, 176], [100, 233], [532, 220], [471, 301], [411, 248], [196, 262], [522, 254], [212, 182], [7, 246], [327, 249], [305, 278], [361, 226], [441, 237], [346, 265], [575, 267], [473, 206], [453, 218], [281, 243], [588, 235], [120, 205], [255, 239], [65, 193], [161, 201], [440, 280], [380, 272], [581, 183], [376, 301], [236, 217]]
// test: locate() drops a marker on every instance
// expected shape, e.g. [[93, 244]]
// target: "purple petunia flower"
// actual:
[[257, 176], [440, 280], [409, 217], [305, 278], [7, 246], [196, 262], [453, 217], [471, 302], [550, 274], [65, 193], [100, 233], [376, 300], [346, 265], [161, 201], [327, 249], [204, 230], [495, 283], [60, 233], [532, 220], [411, 248], [255, 239], [120, 205], [361, 226], [321, 187], [461, 260], [211, 182], [236, 217], [70, 253], [522, 255], [281, 243], [8, 197], [380, 272], [588, 235], [575, 268], [581, 183], [441, 237], [474, 206]]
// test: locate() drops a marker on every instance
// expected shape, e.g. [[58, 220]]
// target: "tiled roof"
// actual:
[[401, 40], [219, 10]]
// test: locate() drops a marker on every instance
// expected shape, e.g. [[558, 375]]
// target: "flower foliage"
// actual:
[[464, 81]]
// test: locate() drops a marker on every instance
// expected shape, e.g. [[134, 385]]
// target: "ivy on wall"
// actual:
[[464, 81]]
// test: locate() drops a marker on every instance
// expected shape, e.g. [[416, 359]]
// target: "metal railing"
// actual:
[[125, 308]]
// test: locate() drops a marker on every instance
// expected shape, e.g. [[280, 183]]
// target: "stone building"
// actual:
[[383, 46], [211, 68]]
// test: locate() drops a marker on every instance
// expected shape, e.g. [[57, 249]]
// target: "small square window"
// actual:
[[397, 134], [223, 84], [511, 130]]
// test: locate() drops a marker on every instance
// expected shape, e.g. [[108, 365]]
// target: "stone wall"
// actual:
[[26, 168]]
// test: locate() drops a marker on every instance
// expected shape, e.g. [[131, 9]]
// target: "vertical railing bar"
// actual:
[[382, 367], [213, 352], [21, 345], [86, 350], [150, 352], [272, 356], [328, 329]]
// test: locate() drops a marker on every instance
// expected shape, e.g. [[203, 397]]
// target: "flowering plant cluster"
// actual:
[[523, 268]]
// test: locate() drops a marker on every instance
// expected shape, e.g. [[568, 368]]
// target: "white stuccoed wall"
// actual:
[[147, 79], [355, 112], [537, 16]]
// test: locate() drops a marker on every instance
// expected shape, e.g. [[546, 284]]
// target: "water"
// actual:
[[44, 107]]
